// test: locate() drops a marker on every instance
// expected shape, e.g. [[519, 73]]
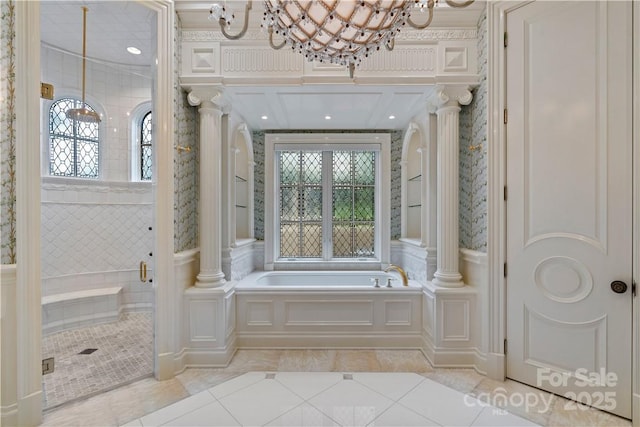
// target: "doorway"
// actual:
[[569, 206], [97, 208]]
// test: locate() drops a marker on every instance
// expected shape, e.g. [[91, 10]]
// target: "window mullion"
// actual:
[[300, 203], [352, 225], [327, 205]]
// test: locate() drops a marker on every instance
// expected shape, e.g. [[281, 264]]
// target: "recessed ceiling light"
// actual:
[[264, 117], [134, 50], [391, 117], [327, 117]]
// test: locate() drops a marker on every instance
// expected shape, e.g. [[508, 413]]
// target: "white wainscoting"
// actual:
[[206, 316], [329, 318], [455, 319]]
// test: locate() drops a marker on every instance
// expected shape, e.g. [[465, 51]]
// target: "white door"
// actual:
[[569, 176]]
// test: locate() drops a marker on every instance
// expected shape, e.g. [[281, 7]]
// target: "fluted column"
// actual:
[[210, 215], [445, 103]]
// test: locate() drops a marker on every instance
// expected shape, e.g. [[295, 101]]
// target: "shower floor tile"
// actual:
[[122, 353]]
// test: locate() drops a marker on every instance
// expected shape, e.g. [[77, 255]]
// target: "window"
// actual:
[[351, 190], [146, 150], [73, 145], [325, 199]]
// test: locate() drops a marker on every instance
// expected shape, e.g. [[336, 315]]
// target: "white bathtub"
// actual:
[[327, 309], [314, 280]]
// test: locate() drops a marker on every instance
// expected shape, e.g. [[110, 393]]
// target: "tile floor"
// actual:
[[124, 353], [326, 387], [330, 399]]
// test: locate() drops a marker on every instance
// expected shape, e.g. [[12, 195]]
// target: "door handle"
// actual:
[[143, 271], [619, 287]]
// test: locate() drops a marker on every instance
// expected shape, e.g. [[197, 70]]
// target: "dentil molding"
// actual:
[[421, 36]]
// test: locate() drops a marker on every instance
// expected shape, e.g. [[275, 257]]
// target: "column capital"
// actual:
[[210, 94], [449, 96]]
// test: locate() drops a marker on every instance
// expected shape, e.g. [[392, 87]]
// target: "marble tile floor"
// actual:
[[327, 387], [123, 353]]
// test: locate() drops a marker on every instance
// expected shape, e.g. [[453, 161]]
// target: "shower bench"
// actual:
[[80, 308]]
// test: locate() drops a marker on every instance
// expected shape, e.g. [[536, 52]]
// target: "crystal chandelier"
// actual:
[[334, 31]]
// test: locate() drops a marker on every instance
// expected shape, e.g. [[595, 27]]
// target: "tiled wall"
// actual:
[[95, 228], [185, 164], [7, 133], [258, 155], [115, 91], [95, 232], [94, 235], [473, 161]]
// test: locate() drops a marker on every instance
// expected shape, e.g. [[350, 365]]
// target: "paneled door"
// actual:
[[569, 212]]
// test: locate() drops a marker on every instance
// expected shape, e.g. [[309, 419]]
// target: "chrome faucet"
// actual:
[[405, 278]]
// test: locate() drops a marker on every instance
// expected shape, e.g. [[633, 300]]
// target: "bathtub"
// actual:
[[327, 309], [318, 280]]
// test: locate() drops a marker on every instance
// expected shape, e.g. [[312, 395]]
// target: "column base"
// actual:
[[210, 280], [447, 280]]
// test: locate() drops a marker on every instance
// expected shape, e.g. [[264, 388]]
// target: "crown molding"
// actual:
[[427, 35]]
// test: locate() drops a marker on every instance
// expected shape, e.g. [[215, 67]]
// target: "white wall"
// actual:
[[112, 91], [95, 232]]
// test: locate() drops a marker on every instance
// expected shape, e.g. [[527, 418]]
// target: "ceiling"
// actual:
[[347, 106], [112, 26]]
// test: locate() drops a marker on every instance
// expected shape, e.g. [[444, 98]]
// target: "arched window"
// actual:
[[146, 148], [73, 145]]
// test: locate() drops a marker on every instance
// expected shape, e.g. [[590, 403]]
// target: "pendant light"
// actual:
[[83, 114]]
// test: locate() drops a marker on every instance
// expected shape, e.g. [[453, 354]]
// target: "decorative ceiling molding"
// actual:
[[427, 35]]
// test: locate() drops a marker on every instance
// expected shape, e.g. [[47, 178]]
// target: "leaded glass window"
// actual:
[[73, 145], [327, 204], [353, 210], [146, 148]]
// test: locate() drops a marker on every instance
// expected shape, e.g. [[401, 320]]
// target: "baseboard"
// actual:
[[496, 366], [164, 368], [427, 347], [207, 358], [180, 361], [454, 358], [9, 415], [635, 410], [319, 341], [30, 410], [458, 358], [481, 362]]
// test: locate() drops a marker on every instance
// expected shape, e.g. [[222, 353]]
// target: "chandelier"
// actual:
[[334, 31]]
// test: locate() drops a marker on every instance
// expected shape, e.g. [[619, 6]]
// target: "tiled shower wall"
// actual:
[[258, 154], [185, 163], [473, 156], [114, 91], [94, 236], [7, 133], [95, 232]]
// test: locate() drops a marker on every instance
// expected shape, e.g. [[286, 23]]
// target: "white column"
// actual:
[[210, 215], [446, 103]]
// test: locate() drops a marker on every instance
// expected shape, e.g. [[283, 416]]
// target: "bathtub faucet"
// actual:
[[405, 279]]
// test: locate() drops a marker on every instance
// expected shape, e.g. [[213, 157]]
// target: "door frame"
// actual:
[[496, 223], [28, 153]]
